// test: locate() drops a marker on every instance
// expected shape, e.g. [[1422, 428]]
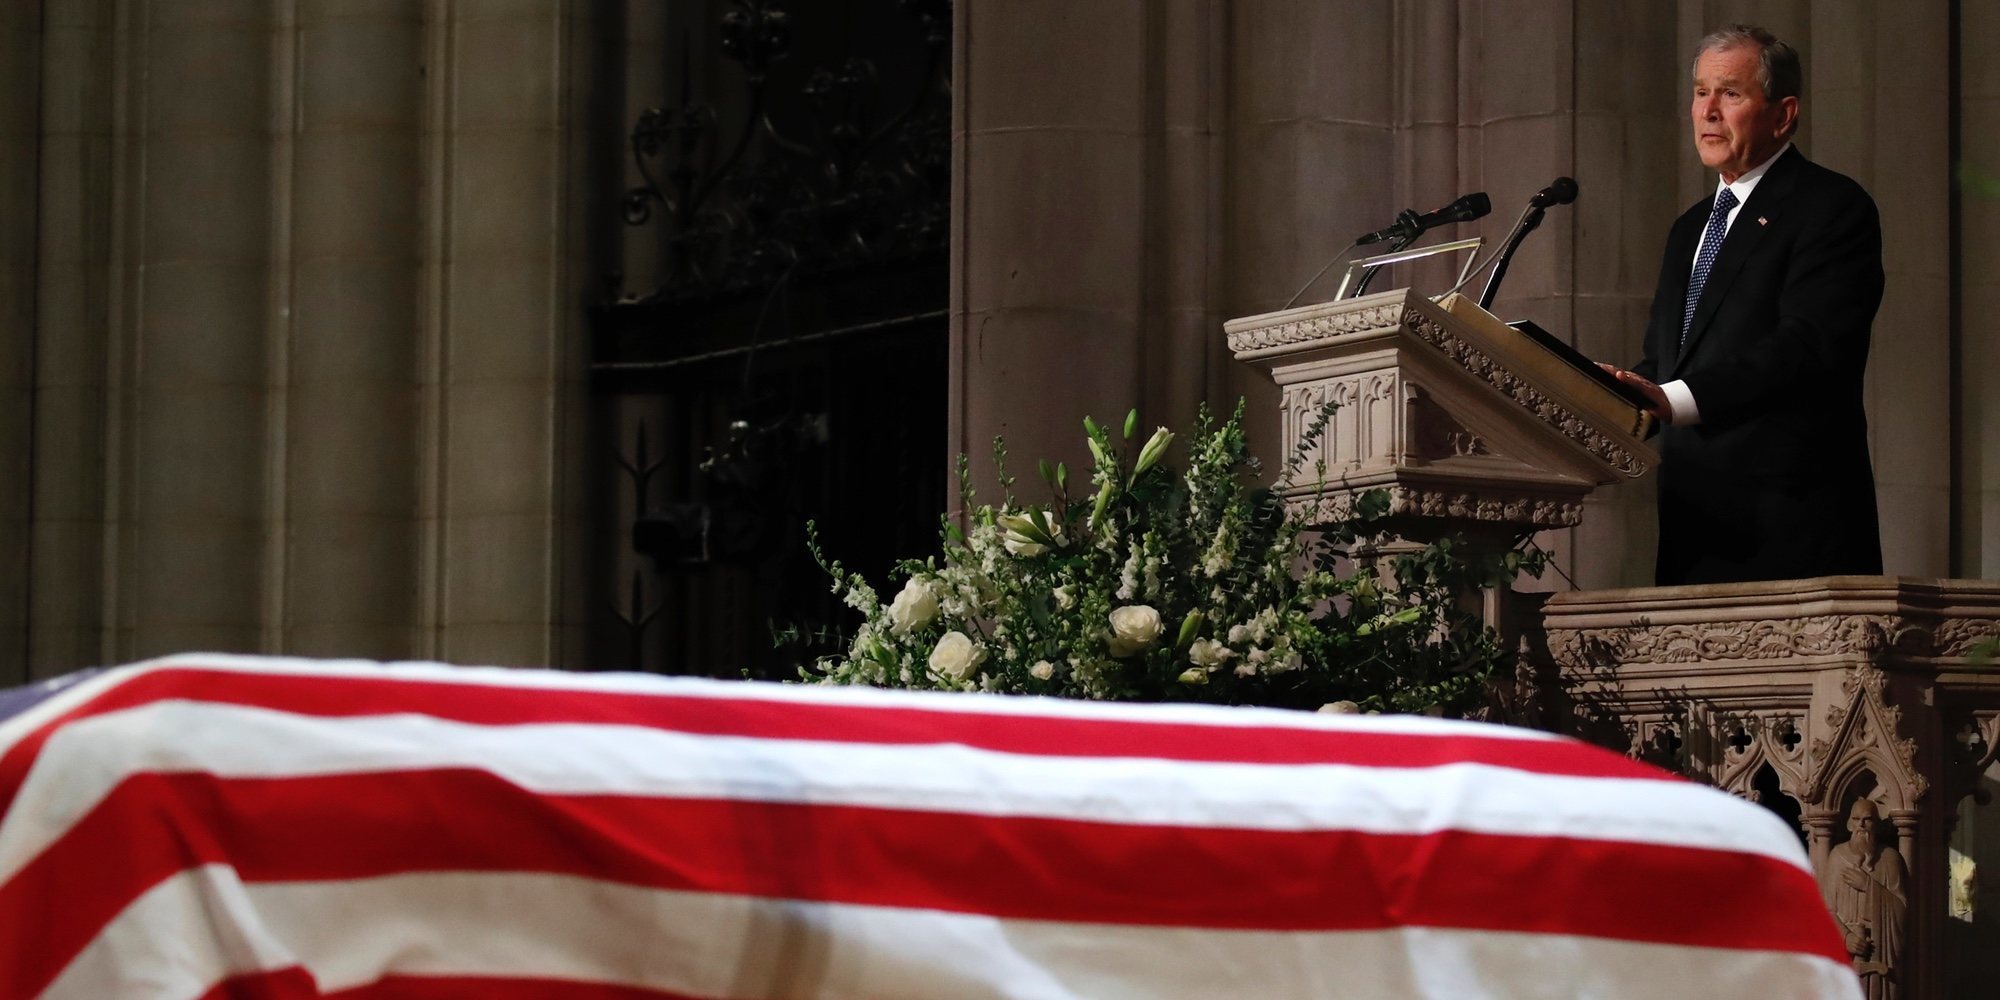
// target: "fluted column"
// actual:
[[1047, 285], [1879, 97], [1311, 157], [1631, 135], [1187, 62], [189, 364], [20, 30], [500, 410], [1977, 364], [349, 343], [76, 201], [307, 327]]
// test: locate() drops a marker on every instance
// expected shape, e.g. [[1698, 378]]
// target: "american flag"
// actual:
[[220, 826]]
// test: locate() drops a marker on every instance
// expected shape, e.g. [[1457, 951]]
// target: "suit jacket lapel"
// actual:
[[1737, 247]]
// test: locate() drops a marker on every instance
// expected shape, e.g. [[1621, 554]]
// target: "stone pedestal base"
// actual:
[[1810, 696]]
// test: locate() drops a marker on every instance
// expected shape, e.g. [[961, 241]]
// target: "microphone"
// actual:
[[1409, 224], [1562, 192]]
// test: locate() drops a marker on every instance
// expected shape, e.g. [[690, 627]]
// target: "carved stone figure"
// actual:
[[1863, 882]]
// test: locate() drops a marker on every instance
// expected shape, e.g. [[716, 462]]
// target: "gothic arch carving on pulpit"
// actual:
[[1866, 739], [1773, 740]]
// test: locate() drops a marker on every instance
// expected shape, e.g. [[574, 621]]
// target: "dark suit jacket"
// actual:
[[1775, 482]]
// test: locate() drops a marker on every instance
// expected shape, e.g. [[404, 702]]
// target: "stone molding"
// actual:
[[1469, 505], [1861, 635], [1312, 330], [1556, 415]]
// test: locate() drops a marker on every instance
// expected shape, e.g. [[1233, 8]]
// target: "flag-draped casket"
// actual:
[[214, 826]]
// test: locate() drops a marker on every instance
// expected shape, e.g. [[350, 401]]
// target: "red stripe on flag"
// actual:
[[292, 983], [296, 984], [333, 696], [363, 825], [489, 988]]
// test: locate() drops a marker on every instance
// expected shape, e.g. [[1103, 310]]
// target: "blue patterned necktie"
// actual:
[[1711, 245]]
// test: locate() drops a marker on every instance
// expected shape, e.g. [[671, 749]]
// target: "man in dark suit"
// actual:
[[1757, 341]]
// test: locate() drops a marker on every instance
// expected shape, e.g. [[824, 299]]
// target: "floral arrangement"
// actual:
[[1158, 585]]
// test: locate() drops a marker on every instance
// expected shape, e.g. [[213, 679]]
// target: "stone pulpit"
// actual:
[[1467, 424]]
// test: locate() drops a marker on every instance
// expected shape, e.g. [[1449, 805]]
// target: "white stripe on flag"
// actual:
[[85, 760], [350, 933]]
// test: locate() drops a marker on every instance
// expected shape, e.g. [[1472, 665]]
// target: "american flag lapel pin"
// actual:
[[1763, 221]]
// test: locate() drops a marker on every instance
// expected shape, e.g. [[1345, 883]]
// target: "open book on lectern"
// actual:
[[1529, 349]]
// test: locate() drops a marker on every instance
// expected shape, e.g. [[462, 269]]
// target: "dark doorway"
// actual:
[[786, 360]]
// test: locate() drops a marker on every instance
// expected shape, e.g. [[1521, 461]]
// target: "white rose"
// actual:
[[1042, 670], [956, 656], [1340, 708], [914, 607], [1133, 628], [1208, 654]]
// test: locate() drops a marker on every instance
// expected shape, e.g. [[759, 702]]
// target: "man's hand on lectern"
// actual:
[[1662, 410]]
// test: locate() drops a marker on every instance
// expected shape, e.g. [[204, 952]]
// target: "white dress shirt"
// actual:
[[1680, 400]]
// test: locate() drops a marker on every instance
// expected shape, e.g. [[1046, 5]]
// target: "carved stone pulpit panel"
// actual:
[[1859, 704]]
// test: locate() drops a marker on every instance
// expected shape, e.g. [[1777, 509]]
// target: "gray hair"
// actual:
[[1778, 68]]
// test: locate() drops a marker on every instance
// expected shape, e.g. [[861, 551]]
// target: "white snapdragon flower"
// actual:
[[1208, 654], [1128, 574]]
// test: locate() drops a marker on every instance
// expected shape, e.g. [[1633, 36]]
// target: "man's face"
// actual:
[[1735, 127]]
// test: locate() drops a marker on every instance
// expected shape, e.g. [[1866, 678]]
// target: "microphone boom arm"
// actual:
[[1529, 220]]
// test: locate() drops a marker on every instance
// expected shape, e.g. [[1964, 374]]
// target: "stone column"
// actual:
[[349, 342], [1631, 134], [1186, 361], [1878, 95], [1819, 825], [1976, 367], [1048, 290], [306, 316], [1312, 139], [190, 371], [20, 36], [500, 405], [74, 301]]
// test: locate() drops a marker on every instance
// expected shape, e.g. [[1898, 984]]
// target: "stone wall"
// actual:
[[303, 320]]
